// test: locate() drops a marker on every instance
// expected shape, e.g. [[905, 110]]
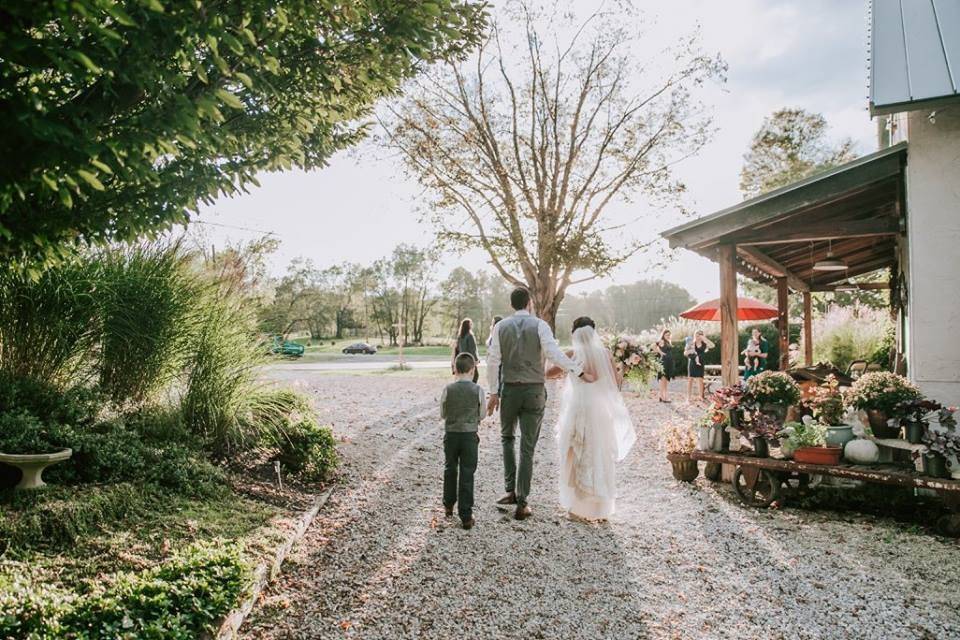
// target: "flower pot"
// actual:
[[878, 424], [733, 417], [717, 435], [684, 468], [818, 455], [861, 451], [760, 447], [914, 431], [935, 465], [839, 435], [703, 438]]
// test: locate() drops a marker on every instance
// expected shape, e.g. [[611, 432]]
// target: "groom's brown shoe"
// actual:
[[510, 498], [448, 511], [522, 513], [468, 523]]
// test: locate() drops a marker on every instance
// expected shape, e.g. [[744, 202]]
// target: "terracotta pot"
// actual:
[[879, 426], [818, 455], [685, 469]]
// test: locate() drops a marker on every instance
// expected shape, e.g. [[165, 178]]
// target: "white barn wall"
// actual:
[[933, 221]]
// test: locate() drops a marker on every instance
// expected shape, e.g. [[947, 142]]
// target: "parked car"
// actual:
[[360, 347], [283, 347]]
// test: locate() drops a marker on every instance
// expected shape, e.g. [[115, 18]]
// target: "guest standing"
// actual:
[[465, 343], [665, 353], [758, 361], [695, 353]]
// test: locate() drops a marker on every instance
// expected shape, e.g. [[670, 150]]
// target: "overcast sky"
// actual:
[[799, 53]]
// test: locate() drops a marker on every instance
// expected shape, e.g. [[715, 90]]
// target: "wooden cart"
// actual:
[[759, 482]]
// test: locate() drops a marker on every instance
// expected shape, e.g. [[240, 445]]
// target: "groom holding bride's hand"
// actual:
[[519, 346]]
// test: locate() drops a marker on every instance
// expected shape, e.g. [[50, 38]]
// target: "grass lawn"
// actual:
[[336, 347]]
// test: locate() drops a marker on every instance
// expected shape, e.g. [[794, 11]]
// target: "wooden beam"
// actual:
[[771, 267], [729, 340], [807, 329], [864, 286], [798, 232], [783, 322]]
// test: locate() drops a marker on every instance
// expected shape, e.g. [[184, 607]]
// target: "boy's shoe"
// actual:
[[448, 510], [522, 513], [510, 498], [468, 523]]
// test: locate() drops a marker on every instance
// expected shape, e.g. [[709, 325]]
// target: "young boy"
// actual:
[[461, 407]]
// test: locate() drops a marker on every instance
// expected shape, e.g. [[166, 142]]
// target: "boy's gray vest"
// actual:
[[462, 406], [520, 350]]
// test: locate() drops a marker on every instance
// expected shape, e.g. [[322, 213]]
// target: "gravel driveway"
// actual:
[[677, 561]]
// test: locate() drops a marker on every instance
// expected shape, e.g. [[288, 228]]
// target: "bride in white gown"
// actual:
[[594, 431]]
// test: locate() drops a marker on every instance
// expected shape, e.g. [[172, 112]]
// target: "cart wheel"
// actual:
[[711, 471], [949, 525], [756, 487]]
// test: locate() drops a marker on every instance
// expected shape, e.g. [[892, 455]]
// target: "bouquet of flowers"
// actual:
[[773, 387], [634, 362], [881, 391]]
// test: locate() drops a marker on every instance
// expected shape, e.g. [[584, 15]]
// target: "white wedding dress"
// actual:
[[594, 433]]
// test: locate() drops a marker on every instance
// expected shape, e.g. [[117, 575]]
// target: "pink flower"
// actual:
[[635, 359]]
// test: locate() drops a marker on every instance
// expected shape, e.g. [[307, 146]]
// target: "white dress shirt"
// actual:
[[549, 347]]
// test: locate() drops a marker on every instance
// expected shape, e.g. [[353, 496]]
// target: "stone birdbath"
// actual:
[[33, 464]]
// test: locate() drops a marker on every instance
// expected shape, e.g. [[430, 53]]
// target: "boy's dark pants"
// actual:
[[460, 454]]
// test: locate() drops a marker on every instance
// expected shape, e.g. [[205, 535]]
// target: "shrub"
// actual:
[[147, 298], [177, 600], [77, 406], [845, 334], [309, 450]]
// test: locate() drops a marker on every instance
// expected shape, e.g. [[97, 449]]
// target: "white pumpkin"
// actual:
[[861, 451]]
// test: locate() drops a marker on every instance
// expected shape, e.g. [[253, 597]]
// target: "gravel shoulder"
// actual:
[[676, 561]]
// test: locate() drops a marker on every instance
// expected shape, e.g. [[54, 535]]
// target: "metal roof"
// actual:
[[914, 54]]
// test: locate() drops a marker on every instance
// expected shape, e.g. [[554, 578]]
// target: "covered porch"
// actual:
[[809, 236]]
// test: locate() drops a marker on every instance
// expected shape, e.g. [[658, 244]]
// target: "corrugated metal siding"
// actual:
[[915, 53]]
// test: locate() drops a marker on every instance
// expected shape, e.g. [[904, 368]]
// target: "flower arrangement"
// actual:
[[678, 438], [882, 391], [760, 425], [773, 387], [633, 360], [807, 433], [826, 402]]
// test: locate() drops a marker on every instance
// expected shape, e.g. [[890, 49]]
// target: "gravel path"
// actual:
[[677, 561]]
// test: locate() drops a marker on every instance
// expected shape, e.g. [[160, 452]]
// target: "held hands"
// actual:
[[493, 403], [588, 377]]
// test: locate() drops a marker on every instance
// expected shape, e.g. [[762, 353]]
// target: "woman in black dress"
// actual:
[[695, 353], [466, 343], [666, 361]]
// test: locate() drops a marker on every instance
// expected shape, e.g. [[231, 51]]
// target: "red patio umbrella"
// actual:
[[747, 309]]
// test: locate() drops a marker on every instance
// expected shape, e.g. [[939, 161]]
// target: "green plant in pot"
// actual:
[[679, 441], [942, 445], [825, 404], [881, 394], [773, 392], [807, 442], [916, 416]]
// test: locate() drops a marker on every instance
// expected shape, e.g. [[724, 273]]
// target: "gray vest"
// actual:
[[520, 350], [461, 408]]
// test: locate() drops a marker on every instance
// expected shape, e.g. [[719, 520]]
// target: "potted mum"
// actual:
[[880, 394], [773, 392], [679, 441], [807, 440], [825, 404]]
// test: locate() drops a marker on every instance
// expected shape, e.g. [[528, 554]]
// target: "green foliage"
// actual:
[[147, 296], [49, 323], [808, 433], [773, 387], [309, 450], [845, 334], [179, 599], [790, 145], [128, 114]]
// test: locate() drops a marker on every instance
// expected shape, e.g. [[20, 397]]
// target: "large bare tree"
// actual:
[[526, 144]]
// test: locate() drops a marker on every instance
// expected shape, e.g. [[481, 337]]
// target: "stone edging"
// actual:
[[267, 569]]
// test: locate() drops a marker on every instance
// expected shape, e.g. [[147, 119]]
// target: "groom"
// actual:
[[515, 369]]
